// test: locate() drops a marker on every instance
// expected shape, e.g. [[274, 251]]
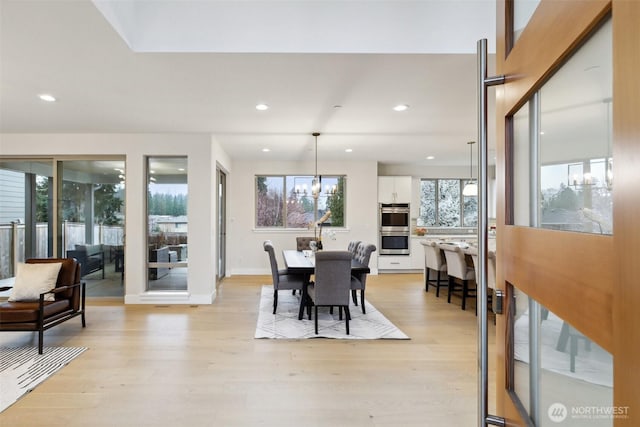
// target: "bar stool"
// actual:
[[433, 260], [457, 268], [491, 270]]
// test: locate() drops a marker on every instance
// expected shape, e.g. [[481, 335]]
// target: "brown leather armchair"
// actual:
[[40, 315]]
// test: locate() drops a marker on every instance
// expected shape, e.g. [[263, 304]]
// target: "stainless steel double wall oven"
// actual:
[[395, 229]]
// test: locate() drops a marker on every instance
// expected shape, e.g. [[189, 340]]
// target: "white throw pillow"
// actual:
[[34, 279]]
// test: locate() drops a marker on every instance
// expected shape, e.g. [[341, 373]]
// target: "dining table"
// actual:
[[303, 263]]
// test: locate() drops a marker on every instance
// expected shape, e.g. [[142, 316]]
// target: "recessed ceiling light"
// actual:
[[541, 132], [430, 157], [181, 169], [401, 107], [152, 171], [47, 97], [348, 150], [262, 107], [266, 150]]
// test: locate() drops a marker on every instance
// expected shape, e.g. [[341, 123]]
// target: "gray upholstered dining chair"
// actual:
[[359, 281], [352, 247], [457, 268], [332, 283], [281, 280], [433, 260], [303, 243]]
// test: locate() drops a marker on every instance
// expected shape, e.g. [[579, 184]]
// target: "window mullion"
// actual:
[[438, 203], [285, 207]]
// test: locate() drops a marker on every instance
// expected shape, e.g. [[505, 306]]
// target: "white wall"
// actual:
[[203, 154], [244, 250]]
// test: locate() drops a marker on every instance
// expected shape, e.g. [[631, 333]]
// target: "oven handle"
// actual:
[[395, 210], [396, 231]]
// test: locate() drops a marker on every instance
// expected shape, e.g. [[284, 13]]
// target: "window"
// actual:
[[287, 201], [443, 205]]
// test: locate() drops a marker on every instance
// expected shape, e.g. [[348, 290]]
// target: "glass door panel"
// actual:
[[522, 12], [559, 374], [26, 212], [91, 216], [562, 149], [167, 223]]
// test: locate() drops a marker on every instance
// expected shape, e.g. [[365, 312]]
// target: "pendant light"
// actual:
[[315, 186], [471, 189]]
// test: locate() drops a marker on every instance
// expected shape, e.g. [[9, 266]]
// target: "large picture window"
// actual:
[[286, 201], [442, 204]]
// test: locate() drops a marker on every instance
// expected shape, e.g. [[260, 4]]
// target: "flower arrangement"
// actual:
[[317, 228], [421, 231]]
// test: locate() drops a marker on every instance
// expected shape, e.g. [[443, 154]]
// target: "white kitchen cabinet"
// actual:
[[394, 262], [394, 189]]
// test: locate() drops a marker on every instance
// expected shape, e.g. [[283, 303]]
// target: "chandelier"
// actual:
[[316, 182]]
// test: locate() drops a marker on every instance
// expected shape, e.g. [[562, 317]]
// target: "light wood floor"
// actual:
[[200, 366]]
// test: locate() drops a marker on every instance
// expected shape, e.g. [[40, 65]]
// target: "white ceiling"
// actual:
[[170, 84]]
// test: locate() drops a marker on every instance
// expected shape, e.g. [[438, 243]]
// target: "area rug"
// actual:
[[22, 369], [285, 324]]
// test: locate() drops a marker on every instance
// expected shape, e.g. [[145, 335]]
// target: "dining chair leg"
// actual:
[[347, 317], [275, 301], [316, 318], [354, 296], [426, 279], [362, 301], [339, 312], [438, 285]]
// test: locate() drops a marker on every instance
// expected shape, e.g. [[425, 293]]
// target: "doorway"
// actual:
[[221, 221]]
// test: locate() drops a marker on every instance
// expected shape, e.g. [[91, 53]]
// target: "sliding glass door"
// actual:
[[85, 222], [91, 202]]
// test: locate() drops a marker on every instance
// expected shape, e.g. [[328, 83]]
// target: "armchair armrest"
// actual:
[[61, 288]]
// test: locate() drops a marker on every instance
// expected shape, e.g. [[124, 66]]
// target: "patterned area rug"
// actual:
[[285, 324], [22, 369]]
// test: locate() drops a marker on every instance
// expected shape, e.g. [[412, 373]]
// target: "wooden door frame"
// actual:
[[604, 268]]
